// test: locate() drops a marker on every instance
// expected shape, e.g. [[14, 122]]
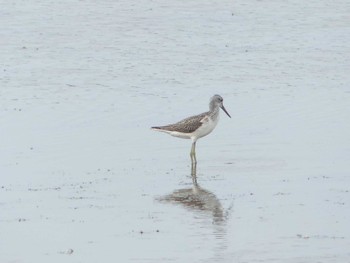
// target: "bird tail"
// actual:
[[160, 129]]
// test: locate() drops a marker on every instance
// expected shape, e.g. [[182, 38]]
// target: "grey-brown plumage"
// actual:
[[187, 125]]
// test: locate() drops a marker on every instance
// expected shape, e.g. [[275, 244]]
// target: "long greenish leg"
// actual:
[[194, 172], [193, 153]]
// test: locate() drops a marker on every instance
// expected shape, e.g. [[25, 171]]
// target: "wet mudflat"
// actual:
[[84, 179]]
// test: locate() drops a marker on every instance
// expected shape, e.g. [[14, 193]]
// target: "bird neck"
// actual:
[[214, 112], [213, 106]]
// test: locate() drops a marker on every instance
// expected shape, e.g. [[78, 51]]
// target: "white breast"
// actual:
[[207, 127]]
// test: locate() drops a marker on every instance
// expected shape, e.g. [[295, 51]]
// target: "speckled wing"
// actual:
[[187, 125]]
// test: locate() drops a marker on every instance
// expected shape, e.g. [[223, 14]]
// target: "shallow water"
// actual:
[[84, 179]]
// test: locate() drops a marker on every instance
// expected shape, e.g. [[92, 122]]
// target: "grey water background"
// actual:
[[84, 179]]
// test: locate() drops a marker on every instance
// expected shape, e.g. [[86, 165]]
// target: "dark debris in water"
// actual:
[[67, 252], [141, 232], [44, 189], [318, 237]]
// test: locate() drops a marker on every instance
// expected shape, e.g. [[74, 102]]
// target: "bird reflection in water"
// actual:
[[205, 204], [198, 199]]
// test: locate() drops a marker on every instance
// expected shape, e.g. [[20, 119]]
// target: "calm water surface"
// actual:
[[84, 179]]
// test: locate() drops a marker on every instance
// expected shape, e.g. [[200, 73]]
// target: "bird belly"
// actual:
[[176, 134], [180, 134]]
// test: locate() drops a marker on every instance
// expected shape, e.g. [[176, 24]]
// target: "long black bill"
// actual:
[[223, 108]]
